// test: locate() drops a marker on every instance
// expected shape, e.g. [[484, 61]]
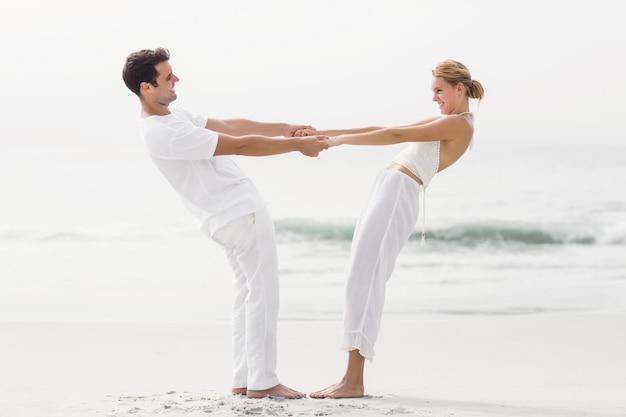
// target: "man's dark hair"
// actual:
[[140, 67]]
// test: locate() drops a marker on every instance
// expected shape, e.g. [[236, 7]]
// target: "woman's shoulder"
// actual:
[[462, 120]]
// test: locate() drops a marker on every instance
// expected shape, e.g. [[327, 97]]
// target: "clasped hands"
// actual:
[[311, 132]]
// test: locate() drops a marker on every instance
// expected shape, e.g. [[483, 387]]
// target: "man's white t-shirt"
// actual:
[[214, 188]]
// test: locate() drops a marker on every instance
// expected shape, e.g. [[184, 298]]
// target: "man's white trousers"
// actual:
[[250, 245]]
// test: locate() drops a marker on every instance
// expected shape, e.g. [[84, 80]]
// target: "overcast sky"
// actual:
[[552, 70]]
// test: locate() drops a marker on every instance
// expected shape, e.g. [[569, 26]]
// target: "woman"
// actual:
[[392, 208]]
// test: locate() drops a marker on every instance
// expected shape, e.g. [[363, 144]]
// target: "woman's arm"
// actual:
[[337, 132], [434, 129], [422, 122]]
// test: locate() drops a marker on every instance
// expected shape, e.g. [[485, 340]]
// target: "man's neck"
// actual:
[[151, 109]]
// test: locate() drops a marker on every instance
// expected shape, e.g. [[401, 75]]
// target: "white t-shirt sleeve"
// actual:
[[179, 135], [197, 120]]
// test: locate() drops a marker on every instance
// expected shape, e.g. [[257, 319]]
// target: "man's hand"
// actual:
[[305, 131], [313, 145], [298, 130]]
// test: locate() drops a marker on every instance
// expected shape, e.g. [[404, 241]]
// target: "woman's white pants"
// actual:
[[385, 225]]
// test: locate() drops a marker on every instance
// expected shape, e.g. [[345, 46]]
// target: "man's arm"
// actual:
[[258, 145], [241, 127]]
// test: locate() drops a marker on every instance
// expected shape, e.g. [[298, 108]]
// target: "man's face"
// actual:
[[164, 93]]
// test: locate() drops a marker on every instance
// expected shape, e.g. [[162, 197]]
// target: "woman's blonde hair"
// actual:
[[455, 72]]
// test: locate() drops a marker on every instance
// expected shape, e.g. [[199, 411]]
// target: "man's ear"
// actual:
[[144, 86]]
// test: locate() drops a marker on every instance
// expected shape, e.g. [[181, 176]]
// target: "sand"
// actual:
[[557, 364]]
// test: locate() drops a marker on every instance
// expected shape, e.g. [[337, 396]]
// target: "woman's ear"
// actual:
[[460, 88]]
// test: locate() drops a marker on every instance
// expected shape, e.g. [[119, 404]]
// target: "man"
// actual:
[[191, 152]]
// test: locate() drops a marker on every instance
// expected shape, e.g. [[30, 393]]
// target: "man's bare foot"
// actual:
[[340, 390], [239, 391], [279, 391]]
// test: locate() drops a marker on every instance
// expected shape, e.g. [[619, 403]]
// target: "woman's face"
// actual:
[[447, 96]]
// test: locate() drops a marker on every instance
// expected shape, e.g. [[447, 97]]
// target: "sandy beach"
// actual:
[[128, 315], [558, 364]]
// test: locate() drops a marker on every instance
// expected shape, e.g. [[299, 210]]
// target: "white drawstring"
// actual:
[[424, 216]]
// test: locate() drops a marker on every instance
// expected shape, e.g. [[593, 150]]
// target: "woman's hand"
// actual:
[[334, 141]]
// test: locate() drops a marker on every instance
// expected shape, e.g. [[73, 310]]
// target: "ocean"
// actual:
[[97, 235]]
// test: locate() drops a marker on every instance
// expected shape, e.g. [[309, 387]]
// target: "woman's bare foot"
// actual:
[[342, 389], [279, 391], [351, 385], [239, 391]]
